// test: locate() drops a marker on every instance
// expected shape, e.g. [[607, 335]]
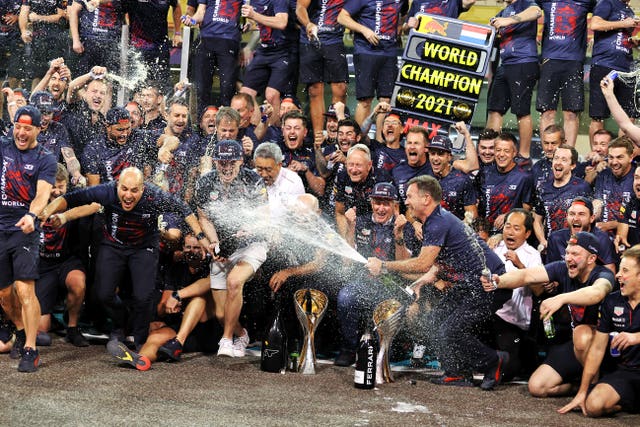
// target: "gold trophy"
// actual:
[[387, 318], [311, 304]]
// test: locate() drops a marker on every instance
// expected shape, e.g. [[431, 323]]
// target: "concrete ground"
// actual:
[[87, 387]]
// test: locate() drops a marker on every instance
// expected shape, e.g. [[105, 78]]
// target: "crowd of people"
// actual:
[[170, 236]]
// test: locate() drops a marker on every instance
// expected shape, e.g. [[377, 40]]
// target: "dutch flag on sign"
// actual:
[[475, 35]]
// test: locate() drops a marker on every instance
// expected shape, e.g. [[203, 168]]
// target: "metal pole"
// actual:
[[124, 55], [184, 54]]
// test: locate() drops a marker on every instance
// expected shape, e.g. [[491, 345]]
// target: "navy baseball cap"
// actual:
[[22, 92], [43, 101], [584, 202], [587, 241], [28, 115], [227, 149], [117, 115], [440, 142], [331, 112], [384, 190]]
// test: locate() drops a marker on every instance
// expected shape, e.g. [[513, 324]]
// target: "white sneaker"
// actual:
[[225, 347], [240, 344]]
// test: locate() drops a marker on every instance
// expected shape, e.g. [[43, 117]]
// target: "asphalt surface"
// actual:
[[86, 386]]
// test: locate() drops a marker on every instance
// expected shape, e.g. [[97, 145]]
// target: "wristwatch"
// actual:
[[32, 215], [176, 296], [201, 235]]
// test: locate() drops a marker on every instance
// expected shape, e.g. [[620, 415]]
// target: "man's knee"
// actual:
[[26, 291], [316, 90], [543, 380]]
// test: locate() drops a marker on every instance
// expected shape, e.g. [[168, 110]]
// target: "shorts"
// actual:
[[375, 75], [269, 68], [563, 360], [512, 87], [254, 254], [327, 64], [18, 256], [625, 94], [561, 79], [53, 277], [626, 382]]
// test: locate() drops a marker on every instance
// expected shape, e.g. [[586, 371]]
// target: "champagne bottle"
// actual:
[[273, 357], [365, 374]]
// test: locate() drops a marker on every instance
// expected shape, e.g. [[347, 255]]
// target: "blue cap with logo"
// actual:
[[43, 101], [384, 190], [586, 240], [227, 149], [440, 142]]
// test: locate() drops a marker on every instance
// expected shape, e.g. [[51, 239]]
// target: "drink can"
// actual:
[[613, 74], [613, 351]]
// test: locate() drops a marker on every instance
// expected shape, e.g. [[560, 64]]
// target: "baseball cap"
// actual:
[[586, 240], [227, 149], [22, 92], [43, 101], [32, 113], [384, 190], [331, 111], [584, 202], [440, 142], [117, 115]]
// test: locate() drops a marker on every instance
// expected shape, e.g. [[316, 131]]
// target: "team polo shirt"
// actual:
[[518, 42], [565, 28], [613, 49], [457, 192], [553, 202], [503, 192], [324, 13], [381, 17], [614, 193], [221, 19], [616, 315]]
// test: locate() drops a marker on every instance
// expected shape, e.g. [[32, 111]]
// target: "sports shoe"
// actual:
[[74, 336], [122, 352], [240, 344], [494, 375], [455, 380], [225, 347], [345, 358], [43, 339], [18, 344], [172, 349], [29, 361]]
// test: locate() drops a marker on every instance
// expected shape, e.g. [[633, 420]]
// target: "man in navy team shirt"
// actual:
[[323, 56], [219, 47], [555, 195], [450, 8], [268, 72], [628, 230], [417, 163], [131, 243], [375, 28], [149, 35], [514, 80], [505, 185], [28, 174], [564, 43]]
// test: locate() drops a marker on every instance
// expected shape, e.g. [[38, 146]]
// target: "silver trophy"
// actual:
[[387, 318], [311, 304]]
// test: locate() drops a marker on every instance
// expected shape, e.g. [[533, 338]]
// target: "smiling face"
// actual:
[[440, 161], [119, 132], [515, 233], [383, 209], [619, 161], [578, 260], [415, 147], [358, 166], [24, 134], [629, 277], [347, 138], [505, 155], [59, 189], [130, 189], [600, 144], [96, 94], [57, 85], [227, 129], [208, 122], [579, 218], [392, 130], [228, 170], [177, 118], [486, 150], [561, 164], [294, 132], [636, 182]]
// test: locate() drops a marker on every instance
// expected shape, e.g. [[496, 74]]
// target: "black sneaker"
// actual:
[[172, 349], [18, 344], [43, 339], [29, 361], [494, 375], [74, 336], [455, 380], [122, 353], [345, 358]]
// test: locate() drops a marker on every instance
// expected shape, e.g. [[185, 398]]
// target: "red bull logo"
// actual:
[[429, 25]]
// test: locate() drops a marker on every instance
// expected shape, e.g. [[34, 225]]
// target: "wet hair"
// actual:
[[61, 173], [228, 114], [362, 148], [154, 86], [633, 252], [248, 99], [508, 136], [422, 131], [268, 150], [350, 123], [603, 132], [574, 152], [427, 185], [622, 142], [294, 114], [488, 133], [528, 218], [553, 128], [177, 101], [481, 224]]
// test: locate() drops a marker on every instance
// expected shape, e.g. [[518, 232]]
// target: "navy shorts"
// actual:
[[561, 79], [375, 75], [563, 360], [18, 256], [327, 64], [626, 382], [512, 87], [598, 108], [269, 68], [53, 277]]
